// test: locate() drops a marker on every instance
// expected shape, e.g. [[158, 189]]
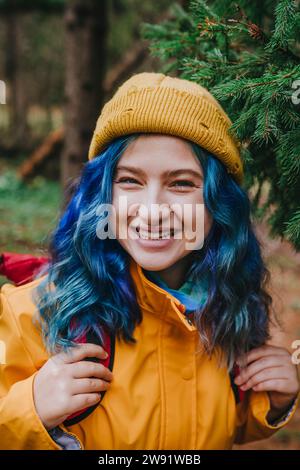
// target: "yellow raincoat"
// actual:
[[165, 394]]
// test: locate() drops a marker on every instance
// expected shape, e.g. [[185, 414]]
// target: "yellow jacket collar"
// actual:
[[153, 298]]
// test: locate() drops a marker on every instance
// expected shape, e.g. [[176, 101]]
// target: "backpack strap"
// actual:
[[238, 393], [20, 268], [109, 346]]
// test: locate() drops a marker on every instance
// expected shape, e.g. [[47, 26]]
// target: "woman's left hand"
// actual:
[[270, 368]]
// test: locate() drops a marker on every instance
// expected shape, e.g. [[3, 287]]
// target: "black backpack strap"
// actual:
[[235, 388], [238, 393]]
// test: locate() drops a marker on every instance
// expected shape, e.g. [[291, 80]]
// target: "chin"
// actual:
[[157, 261], [147, 262]]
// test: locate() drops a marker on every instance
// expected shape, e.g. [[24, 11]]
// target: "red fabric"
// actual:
[[20, 268]]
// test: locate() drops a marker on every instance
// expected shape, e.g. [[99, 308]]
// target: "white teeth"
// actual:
[[154, 236]]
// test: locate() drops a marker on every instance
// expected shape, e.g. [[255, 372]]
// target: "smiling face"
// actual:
[[159, 171]]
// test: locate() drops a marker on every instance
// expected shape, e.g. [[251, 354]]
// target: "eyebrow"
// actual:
[[166, 173]]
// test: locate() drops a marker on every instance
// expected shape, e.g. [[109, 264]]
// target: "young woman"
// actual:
[[155, 253]]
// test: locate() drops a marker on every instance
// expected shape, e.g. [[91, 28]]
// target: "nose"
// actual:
[[155, 216]]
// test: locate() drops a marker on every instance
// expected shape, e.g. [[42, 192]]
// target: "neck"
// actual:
[[175, 275]]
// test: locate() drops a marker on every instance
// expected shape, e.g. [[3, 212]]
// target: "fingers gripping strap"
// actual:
[[109, 346]]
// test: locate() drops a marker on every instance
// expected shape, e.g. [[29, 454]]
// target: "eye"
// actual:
[[183, 183], [126, 179]]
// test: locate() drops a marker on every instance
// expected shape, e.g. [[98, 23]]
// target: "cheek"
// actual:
[[115, 196], [116, 219], [120, 212]]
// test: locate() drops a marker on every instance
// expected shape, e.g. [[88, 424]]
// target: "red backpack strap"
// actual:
[[109, 347], [20, 268]]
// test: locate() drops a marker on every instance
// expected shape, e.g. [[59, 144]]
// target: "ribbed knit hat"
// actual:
[[156, 103]]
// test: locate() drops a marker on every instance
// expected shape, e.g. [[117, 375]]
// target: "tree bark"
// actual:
[[17, 101], [86, 25]]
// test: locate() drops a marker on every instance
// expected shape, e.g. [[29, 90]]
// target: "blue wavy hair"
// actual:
[[88, 283]]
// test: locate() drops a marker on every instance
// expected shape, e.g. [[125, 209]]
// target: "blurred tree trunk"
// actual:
[[17, 95], [86, 25]]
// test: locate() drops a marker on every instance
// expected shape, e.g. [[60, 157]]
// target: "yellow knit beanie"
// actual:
[[156, 103]]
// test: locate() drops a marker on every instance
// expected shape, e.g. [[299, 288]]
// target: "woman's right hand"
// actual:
[[66, 384]]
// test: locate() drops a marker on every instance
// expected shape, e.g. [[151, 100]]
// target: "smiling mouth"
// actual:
[[161, 235]]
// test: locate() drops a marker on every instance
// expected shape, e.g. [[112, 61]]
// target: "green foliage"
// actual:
[[248, 56], [28, 212], [284, 21]]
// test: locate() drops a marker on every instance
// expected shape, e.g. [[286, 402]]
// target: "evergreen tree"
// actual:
[[248, 56]]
